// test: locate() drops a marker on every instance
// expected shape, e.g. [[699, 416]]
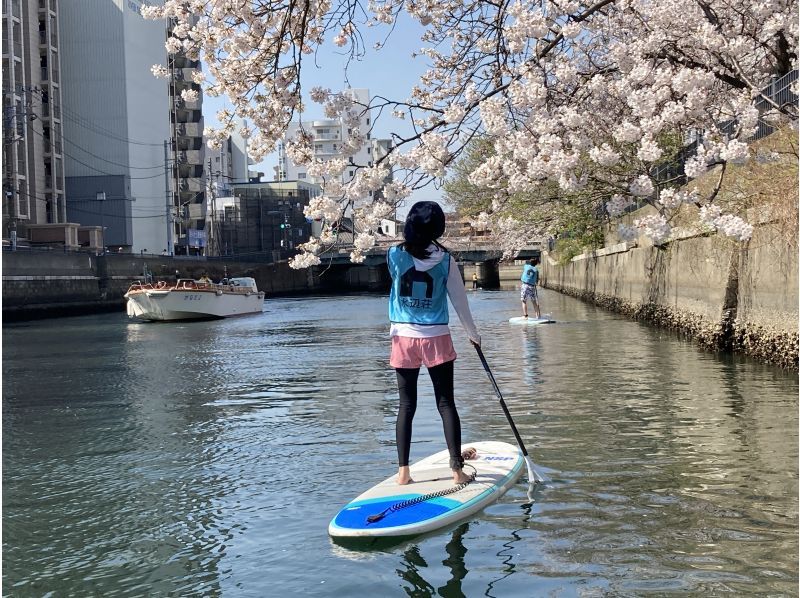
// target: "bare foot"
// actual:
[[404, 476], [459, 477]]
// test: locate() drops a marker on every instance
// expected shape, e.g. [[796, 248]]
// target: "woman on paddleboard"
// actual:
[[424, 275]]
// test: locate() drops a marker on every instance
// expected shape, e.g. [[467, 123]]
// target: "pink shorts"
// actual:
[[411, 353]]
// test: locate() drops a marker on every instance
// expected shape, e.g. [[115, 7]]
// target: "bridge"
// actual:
[[463, 249], [372, 272]]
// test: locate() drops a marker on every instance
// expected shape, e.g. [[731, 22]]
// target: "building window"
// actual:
[[369, 150], [368, 120], [301, 175], [367, 135], [351, 174], [317, 147]]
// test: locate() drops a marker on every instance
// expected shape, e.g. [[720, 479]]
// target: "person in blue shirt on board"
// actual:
[[424, 275], [530, 280]]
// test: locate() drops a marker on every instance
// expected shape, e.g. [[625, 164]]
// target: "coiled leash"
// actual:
[[419, 499]]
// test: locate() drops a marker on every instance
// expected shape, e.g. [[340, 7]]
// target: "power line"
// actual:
[[66, 140], [95, 128], [65, 153], [93, 213]]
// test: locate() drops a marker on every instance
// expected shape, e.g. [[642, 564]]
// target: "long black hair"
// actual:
[[424, 224]]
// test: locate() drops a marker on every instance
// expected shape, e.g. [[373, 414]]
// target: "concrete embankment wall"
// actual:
[[40, 284], [726, 295]]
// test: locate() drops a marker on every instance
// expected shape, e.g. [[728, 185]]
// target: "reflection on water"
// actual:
[[207, 458]]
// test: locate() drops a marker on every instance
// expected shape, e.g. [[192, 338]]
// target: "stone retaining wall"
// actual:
[[729, 296]]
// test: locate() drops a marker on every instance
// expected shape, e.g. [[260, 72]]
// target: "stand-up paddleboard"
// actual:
[[498, 466], [531, 321]]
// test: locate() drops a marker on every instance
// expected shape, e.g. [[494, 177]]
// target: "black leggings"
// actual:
[[442, 378]]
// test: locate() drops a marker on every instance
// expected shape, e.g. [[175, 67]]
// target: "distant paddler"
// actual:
[[530, 280]]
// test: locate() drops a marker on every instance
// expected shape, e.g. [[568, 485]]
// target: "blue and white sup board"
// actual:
[[499, 466], [531, 321]]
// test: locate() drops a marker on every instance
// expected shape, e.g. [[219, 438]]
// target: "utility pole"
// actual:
[[211, 233], [169, 197], [9, 124]]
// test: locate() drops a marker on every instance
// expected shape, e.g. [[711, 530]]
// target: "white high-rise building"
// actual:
[[117, 120], [328, 135]]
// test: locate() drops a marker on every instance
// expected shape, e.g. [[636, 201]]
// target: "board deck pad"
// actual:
[[498, 464], [531, 321]]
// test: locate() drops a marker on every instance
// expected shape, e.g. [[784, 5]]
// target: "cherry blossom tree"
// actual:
[[564, 90]]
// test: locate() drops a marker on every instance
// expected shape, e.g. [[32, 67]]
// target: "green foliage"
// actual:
[[579, 230], [576, 219], [467, 198]]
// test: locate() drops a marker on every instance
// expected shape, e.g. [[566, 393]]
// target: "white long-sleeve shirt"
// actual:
[[457, 295]]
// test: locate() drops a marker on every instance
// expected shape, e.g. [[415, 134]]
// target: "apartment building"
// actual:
[[228, 165], [188, 157], [117, 125], [261, 220], [33, 147], [328, 135]]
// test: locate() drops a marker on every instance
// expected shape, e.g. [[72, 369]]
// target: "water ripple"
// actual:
[[189, 459]]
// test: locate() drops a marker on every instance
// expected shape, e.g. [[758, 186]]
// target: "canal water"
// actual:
[[207, 458]]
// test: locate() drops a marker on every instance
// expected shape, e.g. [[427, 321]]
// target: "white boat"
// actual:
[[190, 299]]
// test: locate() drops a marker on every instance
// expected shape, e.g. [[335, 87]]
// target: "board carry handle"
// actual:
[[533, 475]]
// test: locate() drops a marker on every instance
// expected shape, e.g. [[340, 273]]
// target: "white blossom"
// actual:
[[564, 91], [617, 204], [642, 186], [159, 71], [654, 226]]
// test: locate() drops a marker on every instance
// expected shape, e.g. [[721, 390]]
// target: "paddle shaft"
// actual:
[[532, 474]]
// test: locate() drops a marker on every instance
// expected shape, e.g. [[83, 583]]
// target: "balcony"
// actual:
[[181, 104], [188, 171], [189, 129], [327, 136], [326, 151], [186, 116], [181, 62], [183, 74], [192, 185], [191, 157]]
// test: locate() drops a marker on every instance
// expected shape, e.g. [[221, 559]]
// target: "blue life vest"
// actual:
[[530, 275], [417, 297]]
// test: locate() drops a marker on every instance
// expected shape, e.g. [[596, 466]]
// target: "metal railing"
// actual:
[[778, 91]]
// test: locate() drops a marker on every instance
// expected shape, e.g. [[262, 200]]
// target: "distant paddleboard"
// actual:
[[531, 321], [498, 464]]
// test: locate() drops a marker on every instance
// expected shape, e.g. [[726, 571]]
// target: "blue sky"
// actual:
[[390, 72]]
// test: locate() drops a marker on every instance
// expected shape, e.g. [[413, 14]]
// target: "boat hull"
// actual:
[[178, 304]]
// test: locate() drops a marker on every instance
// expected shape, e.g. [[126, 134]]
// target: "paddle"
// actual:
[[533, 475]]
